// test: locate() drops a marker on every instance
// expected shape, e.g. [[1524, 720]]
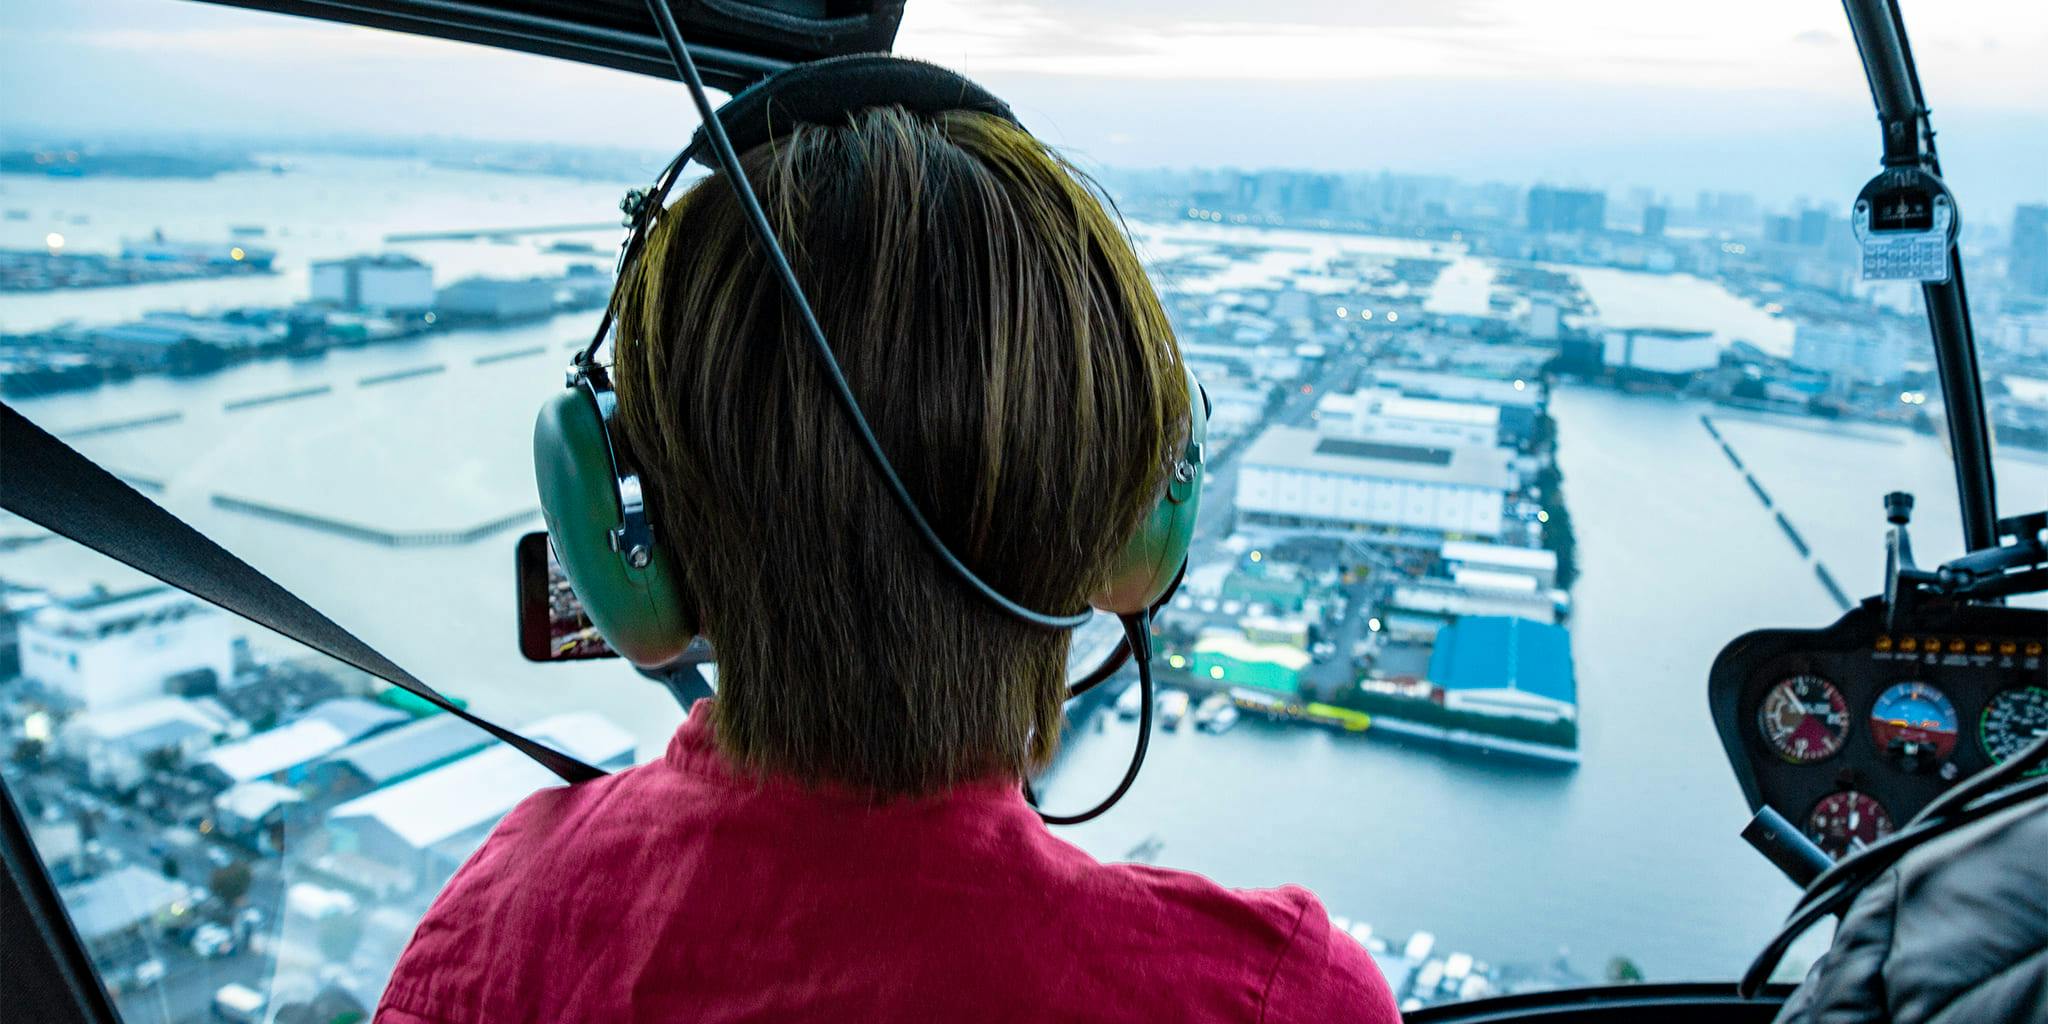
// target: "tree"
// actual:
[[170, 866], [163, 759], [28, 753], [1623, 971], [231, 883]]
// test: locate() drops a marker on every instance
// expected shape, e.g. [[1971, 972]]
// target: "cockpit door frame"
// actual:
[[1908, 138]]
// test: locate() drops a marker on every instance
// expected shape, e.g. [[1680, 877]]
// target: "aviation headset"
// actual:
[[591, 493]]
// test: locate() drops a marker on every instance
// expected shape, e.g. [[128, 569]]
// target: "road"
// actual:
[[128, 836]]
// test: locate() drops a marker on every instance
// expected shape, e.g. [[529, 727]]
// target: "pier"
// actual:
[[117, 426], [472, 234], [517, 353], [371, 534], [375, 379], [257, 401], [1820, 571]]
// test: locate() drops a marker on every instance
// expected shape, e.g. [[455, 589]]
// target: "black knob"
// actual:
[[1898, 508]]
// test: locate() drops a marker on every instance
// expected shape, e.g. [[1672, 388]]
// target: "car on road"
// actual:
[[212, 940], [149, 972]]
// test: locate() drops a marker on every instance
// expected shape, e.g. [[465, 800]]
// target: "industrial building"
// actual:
[[1539, 564], [1849, 351], [498, 299], [287, 753], [397, 755], [125, 902], [254, 812], [112, 742], [1659, 351], [1519, 399], [390, 283], [1377, 415], [1505, 666], [1298, 479], [429, 824], [106, 650], [280, 754]]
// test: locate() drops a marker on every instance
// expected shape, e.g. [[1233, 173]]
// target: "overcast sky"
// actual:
[[1760, 95]]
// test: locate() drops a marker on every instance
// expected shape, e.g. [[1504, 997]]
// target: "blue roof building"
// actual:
[[1502, 665]]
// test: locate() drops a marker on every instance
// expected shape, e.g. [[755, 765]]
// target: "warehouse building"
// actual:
[[429, 824], [1297, 479]]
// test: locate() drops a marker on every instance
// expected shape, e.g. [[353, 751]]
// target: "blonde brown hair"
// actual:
[[1015, 364]]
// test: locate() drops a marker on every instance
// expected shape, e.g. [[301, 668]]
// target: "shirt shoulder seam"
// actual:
[[1272, 975]]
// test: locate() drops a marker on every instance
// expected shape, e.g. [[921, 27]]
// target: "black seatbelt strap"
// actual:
[[47, 482]]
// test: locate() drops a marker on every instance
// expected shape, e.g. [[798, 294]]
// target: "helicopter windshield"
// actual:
[[1541, 360]]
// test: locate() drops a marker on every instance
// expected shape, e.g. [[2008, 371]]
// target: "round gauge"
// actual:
[[1847, 821], [1804, 719], [2012, 721], [1913, 723]]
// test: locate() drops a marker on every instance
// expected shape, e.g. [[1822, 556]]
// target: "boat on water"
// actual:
[[1173, 707]]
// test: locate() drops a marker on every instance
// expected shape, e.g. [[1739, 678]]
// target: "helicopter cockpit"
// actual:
[[1542, 349]]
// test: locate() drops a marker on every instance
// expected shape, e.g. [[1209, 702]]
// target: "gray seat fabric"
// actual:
[[1955, 933]]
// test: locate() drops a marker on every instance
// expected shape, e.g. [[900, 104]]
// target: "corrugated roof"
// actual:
[[1500, 554], [142, 716], [250, 801], [280, 749], [484, 786], [1501, 652], [409, 748], [119, 899], [1296, 448], [355, 717]]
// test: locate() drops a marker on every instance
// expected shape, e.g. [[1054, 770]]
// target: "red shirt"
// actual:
[[676, 891]]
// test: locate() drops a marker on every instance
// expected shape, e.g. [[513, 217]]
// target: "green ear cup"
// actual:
[[1152, 558], [640, 610]]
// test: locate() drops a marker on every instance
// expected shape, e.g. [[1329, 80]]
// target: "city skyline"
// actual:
[[1577, 95]]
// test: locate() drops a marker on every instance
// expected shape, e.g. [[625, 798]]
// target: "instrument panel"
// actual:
[[1850, 730]]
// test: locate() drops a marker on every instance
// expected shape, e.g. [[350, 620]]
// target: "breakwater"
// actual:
[[117, 426], [1792, 535], [372, 534], [258, 401]]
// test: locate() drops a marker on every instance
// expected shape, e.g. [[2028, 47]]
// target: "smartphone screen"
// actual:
[[552, 626]]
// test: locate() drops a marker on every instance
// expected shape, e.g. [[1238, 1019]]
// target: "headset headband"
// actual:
[[830, 92], [825, 92]]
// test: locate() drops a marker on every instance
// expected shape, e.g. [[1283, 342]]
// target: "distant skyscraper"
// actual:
[[1813, 227], [1567, 210], [1654, 219], [2028, 271]]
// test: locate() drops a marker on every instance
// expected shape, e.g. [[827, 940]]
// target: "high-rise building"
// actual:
[[1813, 227], [1654, 220], [1567, 210], [1851, 350], [108, 650], [2028, 270]]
